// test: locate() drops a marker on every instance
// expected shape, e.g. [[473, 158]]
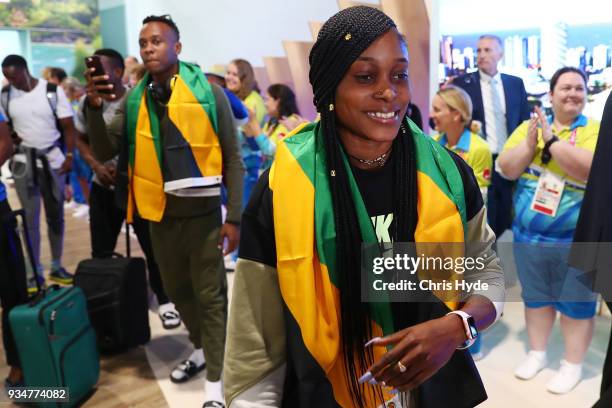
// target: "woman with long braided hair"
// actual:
[[299, 333]]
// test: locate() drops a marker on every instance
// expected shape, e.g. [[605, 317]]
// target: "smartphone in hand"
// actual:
[[95, 62]]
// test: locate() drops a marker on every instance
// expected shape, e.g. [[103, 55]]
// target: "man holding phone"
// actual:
[[177, 142], [106, 215], [41, 119]]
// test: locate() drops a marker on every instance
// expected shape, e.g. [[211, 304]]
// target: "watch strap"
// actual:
[[546, 155], [470, 339]]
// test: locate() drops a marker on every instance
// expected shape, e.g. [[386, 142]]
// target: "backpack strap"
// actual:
[[5, 96], [52, 98]]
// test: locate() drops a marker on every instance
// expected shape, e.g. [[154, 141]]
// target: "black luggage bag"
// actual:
[[117, 299]]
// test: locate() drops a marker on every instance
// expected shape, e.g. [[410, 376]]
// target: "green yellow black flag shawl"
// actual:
[[306, 248], [187, 160]]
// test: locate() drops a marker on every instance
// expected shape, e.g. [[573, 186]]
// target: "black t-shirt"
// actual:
[[376, 188]]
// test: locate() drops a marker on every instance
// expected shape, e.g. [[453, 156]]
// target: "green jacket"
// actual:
[[108, 140]]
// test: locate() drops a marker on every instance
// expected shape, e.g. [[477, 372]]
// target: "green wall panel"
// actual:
[[112, 27]]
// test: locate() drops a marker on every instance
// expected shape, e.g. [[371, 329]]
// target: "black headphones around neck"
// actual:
[[160, 93]]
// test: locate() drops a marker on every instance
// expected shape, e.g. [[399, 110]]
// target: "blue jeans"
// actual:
[[80, 169]]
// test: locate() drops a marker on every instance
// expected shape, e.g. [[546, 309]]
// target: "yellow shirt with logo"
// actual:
[[530, 225], [476, 153]]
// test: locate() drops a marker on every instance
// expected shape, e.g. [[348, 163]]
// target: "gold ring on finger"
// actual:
[[401, 367]]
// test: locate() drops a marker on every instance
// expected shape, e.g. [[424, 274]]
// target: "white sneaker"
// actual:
[[82, 211], [568, 376], [533, 364], [69, 205]]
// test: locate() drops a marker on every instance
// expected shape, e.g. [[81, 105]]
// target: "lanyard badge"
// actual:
[[548, 194]]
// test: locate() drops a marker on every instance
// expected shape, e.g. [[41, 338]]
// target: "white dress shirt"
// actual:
[[495, 137]]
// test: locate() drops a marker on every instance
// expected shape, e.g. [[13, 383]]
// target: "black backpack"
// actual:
[[5, 98]]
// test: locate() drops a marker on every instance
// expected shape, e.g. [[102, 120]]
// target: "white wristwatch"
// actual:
[[471, 331]]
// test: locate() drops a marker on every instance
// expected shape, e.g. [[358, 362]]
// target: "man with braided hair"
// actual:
[[363, 174]]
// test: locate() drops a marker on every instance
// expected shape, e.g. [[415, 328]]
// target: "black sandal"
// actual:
[[213, 404], [170, 319], [189, 370]]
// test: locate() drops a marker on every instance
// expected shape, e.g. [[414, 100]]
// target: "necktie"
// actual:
[[497, 132]]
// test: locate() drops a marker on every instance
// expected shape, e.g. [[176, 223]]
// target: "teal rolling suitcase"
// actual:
[[56, 342]]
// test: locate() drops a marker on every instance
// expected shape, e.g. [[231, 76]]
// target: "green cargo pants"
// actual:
[[192, 271]]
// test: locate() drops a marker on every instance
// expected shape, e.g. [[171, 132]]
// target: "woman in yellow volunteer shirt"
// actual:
[[551, 158], [281, 105], [282, 109], [452, 114]]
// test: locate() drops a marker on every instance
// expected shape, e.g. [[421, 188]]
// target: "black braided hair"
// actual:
[[339, 43]]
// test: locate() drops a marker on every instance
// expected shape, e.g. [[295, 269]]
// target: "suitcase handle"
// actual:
[[128, 250], [41, 294], [111, 255], [28, 243]]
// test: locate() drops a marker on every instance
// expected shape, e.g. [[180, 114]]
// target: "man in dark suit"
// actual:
[[500, 104]]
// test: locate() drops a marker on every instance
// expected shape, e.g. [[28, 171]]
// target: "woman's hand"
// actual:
[[543, 122], [422, 350], [513, 161], [252, 128]]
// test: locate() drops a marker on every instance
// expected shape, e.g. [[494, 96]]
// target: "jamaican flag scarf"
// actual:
[[180, 155], [306, 248]]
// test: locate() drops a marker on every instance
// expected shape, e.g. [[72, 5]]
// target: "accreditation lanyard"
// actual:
[[572, 139], [550, 188]]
